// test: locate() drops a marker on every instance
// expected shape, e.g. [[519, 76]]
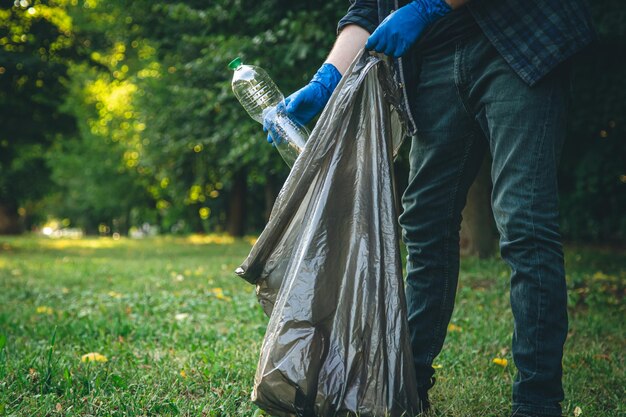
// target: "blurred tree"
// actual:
[[478, 231], [35, 42], [109, 186]]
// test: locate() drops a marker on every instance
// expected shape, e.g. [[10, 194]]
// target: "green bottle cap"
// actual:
[[235, 63]]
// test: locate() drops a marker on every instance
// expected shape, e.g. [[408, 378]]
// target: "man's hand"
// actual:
[[401, 29], [307, 102]]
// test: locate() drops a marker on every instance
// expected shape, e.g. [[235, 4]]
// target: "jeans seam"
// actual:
[[446, 274], [538, 156]]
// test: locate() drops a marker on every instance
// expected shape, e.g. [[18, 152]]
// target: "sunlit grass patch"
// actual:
[[85, 243], [211, 239]]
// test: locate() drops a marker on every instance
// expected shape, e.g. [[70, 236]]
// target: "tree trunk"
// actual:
[[237, 205], [90, 227], [270, 197], [477, 227], [9, 219]]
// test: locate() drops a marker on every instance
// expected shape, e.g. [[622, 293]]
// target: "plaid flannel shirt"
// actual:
[[533, 36]]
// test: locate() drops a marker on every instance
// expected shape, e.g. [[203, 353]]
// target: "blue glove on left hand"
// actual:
[[307, 102], [399, 31]]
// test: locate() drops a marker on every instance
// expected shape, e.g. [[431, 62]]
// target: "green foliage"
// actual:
[[204, 138], [186, 135], [122, 111], [593, 167], [35, 43], [182, 334], [103, 151]]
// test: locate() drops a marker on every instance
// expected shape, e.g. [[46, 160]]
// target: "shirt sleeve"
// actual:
[[363, 13]]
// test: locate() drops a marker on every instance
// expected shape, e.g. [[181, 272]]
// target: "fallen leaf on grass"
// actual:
[[44, 310], [93, 357], [599, 275], [500, 361], [454, 328], [577, 411], [219, 294], [181, 316]]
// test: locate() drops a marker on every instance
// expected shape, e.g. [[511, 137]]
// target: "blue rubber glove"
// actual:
[[401, 29], [307, 102]]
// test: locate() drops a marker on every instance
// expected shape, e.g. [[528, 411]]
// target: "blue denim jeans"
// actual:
[[471, 102]]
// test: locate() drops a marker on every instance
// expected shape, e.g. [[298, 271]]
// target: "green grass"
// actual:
[[177, 345]]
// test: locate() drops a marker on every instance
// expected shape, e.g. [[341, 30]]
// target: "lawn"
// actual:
[[181, 333]]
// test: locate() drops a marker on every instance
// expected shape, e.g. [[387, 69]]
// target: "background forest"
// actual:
[[118, 113]]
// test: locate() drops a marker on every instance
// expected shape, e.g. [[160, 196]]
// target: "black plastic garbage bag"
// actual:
[[327, 266]]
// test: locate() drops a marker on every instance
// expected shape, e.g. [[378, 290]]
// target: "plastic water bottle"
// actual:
[[258, 94]]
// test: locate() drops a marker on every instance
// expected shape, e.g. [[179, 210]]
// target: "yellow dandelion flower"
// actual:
[[500, 361], [114, 294], [93, 357], [454, 328], [44, 310], [183, 374], [219, 294]]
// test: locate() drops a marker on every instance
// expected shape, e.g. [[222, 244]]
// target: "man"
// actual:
[[476, 76]]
